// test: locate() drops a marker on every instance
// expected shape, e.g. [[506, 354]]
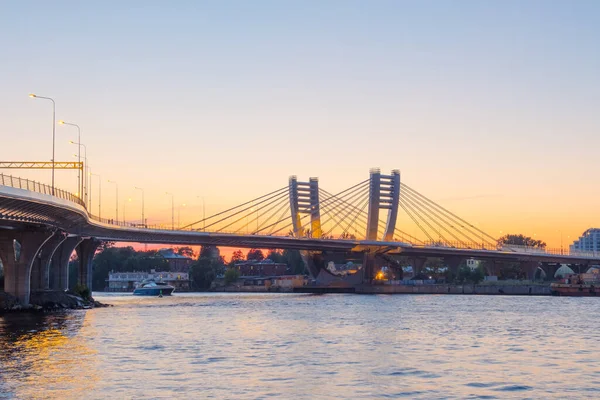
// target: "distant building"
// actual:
[[588, 242], [261, 268], [472, 263], [127, 281], [177, 262]]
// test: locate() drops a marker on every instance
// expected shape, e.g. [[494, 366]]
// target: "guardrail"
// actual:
[[20, 183]]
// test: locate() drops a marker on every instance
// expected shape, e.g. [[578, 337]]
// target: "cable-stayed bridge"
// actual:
[[371, 219]]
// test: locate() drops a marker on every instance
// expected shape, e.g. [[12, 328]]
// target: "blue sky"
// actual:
[[226, 99]]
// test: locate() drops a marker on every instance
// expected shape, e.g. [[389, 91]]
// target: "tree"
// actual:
[[186, 251], [276, 256], [236, 257], [231, 275], [477, 275], [255, 255], [521, 240], [210, 264], [294, 261]]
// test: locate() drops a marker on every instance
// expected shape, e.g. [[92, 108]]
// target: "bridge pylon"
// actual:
[[384, 194], [304, 199]]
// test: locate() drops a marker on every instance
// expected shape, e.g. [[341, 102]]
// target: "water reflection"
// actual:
[[45, 351], [306, 347]]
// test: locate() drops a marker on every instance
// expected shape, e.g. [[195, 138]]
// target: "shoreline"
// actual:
[[46, 301]]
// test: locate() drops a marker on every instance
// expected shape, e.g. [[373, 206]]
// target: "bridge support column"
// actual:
[[371, 263], [373, 216], [550, 269], [392, 200], [18, 250], [315, 212], [453, 262], [417, 264], [313, 261], [59, 267], [40, 272], [530, 268], [492, 267], [85, 252]]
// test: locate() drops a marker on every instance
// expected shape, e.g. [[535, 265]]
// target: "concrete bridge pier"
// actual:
[[417, 264], [550, 269], [313, 261], [18, 250], [85, 252], [59, 267], [40, 271], [492, 267], [530, 268], [453, 262]]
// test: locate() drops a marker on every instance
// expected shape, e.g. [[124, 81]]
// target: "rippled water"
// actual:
[[306, 346]]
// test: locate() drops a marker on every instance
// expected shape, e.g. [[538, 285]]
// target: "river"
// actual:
[[291, 346]]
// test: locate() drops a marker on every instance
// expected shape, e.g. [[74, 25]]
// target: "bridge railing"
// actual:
[[27, 184]]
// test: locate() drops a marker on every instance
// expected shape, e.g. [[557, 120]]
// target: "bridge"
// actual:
[[41, 226]]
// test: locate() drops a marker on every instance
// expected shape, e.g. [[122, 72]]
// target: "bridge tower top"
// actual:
[[384, 194], [304, 199]]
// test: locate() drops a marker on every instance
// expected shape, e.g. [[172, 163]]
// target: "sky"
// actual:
[[489, 108]]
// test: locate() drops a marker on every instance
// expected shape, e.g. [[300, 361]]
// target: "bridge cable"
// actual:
[[277, 199], [335, 207], [347, 212], [454, 215], [415, 220], [449, 219], [436, 218], [233, 208], [366, 203], [285, 204], [242, 210], [409, 202], [419, 216], [339, 208], [281, 202]]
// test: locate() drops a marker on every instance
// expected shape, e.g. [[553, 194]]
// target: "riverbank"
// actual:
[[484, 289], [47, 300]]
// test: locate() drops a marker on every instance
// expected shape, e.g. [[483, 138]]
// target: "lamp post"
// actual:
[[117, 200], [84, 181], [143, 220], [85, 173], [179, 215], [53, 130], [203, 214], [172, 210], [125, 208], [79, 174], [99, 194]]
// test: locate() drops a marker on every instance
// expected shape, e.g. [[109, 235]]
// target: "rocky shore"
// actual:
[[47, 300]]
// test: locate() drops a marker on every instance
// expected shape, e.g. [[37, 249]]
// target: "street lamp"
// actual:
[[34, 96], [203, 214], [143, 220], [125, 207], [84, 181], [117, 200], [179, 215], [99, 194], [85, 173], [172, 210], [79, 175]]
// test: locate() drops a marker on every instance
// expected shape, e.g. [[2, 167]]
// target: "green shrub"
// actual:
[[82, 291], [231, 275]]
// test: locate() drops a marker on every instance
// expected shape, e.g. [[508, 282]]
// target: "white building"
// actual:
[[588, 242], [127, 281]]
